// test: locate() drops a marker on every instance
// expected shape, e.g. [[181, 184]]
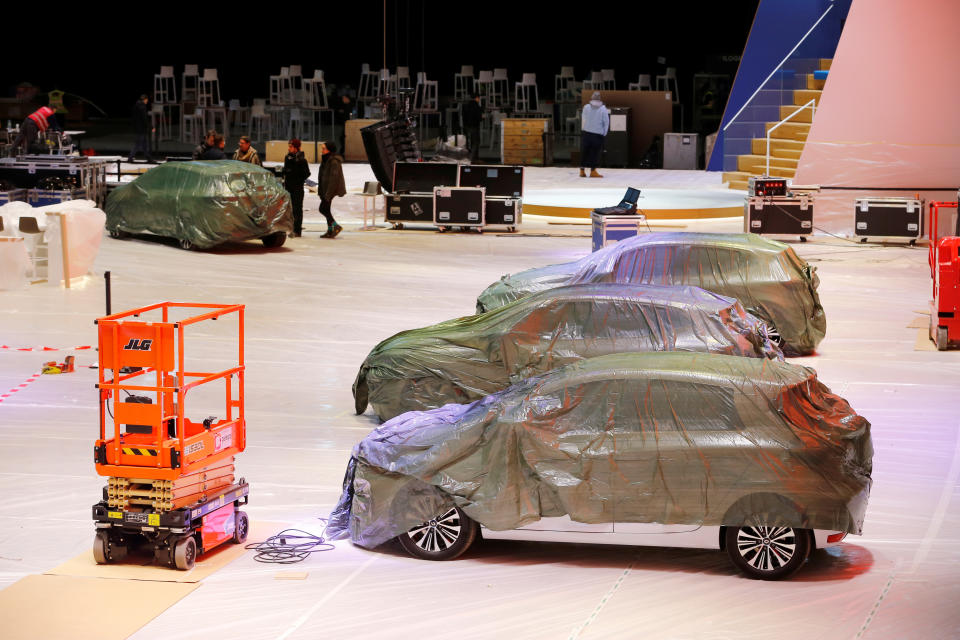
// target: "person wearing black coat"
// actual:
[[472, 115], [295, 174], [141, 129]]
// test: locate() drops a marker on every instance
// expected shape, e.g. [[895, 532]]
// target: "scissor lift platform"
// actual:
[[170, 478]]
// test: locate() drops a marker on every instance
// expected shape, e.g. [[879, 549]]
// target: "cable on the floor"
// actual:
[[289, 546], [821, 230]]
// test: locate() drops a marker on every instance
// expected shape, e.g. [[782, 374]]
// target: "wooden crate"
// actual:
[[523, 142]]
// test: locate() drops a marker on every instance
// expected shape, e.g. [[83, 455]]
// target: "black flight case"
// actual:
[[459, 207]]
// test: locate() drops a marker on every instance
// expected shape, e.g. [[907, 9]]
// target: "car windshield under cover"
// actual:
[[672, 438]]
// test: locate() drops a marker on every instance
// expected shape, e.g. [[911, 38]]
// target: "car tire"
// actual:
[[118, 234], [443, 538], [274, 240], [767, 552], [186, 244]]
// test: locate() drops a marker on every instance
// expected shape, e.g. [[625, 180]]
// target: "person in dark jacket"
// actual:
[[33, 126], [141, 129], [331, 184], [472, 115], [216, 150], [295, 174], [208, 142]]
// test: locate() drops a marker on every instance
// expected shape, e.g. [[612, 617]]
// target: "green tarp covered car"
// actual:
[[203, 204], [671, 438], [766, 276], [465, 359]]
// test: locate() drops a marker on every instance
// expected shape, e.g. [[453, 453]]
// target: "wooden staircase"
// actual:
[[787, 141]]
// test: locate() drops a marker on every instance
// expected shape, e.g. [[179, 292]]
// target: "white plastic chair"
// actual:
[[608, 79], [642, 83], [164, 86], [158, 122], [209, 92], [526, 99], [501, 88], [463, 83], [190, 83], [663, 83], [259, 121]]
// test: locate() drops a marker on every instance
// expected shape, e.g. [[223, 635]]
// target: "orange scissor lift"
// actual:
[[170, 478]]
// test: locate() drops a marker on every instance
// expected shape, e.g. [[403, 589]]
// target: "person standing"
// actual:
[[343, 111], [215, 151], [295, 174], [472, 116], [595, 124], [246, 153], [208, 142], [331, 185], [141, 129], [33, 126]]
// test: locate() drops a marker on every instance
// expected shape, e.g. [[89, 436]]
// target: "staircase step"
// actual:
[[804, 116], [825, 64], [736, 179], [778, 148], [758, 164], [777, 145], [803, 96], [813, 83], [789, 130]]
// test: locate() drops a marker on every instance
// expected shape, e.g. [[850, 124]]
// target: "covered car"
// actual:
[[465, 359], [203, 204], [670, 438], [766, 276]]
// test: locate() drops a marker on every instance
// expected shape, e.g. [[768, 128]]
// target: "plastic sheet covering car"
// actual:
[[671, 438], [465, 359], [203, 204], [766, 276]]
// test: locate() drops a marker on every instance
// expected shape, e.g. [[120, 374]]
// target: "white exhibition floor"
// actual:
[[316, 307]]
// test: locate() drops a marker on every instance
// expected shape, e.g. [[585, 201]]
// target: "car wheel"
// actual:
[[770, 331], [241, 527], [186, 244], [185, 553], [767, 552], [117, 233], [274, 240], [442, 538]]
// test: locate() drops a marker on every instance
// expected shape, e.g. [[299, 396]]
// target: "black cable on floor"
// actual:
[[289, 546]]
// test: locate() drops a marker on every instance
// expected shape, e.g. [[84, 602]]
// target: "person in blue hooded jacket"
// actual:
[[595, 123]]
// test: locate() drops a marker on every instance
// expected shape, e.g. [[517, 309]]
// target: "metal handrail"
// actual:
[[813, 111], [777, 68]]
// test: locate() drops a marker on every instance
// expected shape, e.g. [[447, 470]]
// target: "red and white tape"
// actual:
[[3, 346], [23, 385]]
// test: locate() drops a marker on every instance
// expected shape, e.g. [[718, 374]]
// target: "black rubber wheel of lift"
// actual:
[[185, 553], [942, 340], [107, 549], [241, 527]]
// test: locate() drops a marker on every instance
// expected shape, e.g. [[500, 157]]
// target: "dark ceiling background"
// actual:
[[110, 58]]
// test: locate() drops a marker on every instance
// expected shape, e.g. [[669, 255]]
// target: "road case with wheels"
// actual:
[[888, 218], [410, 207], [779, 216], [458, 207]]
